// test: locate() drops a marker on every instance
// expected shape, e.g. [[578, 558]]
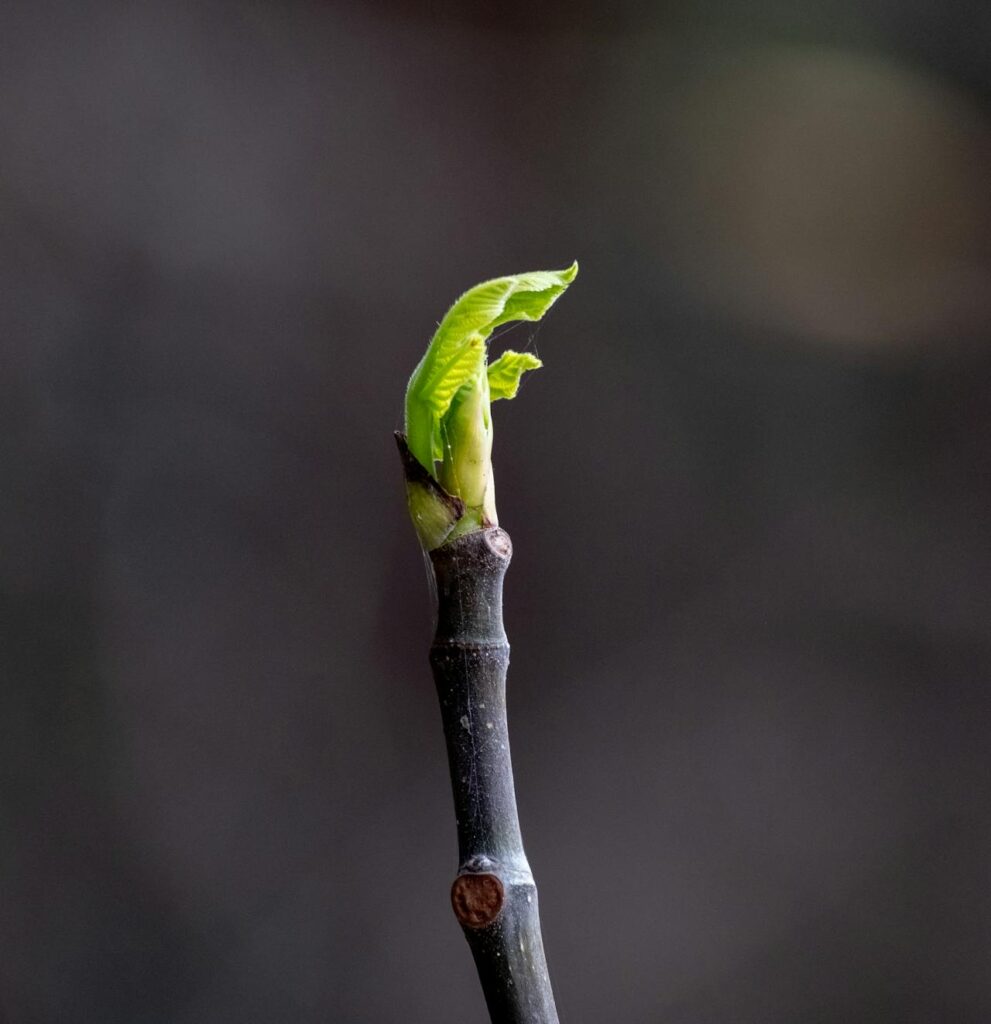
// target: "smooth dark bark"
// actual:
[[494, 895]]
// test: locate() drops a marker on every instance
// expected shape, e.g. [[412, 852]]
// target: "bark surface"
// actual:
[[494, 896]]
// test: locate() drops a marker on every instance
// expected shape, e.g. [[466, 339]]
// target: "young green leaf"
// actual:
[[449, 396], [456, 354], [505, 373]]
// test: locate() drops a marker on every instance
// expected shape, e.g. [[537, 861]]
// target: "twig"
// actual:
[[494, 895], [451, 497]]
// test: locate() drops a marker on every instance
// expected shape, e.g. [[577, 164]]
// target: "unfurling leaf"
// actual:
[[448, 418], [505, 373], [456, 354]]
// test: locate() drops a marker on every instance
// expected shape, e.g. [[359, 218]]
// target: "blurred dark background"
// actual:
[[751, 599]]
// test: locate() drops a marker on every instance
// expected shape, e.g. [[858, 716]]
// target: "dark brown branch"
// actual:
[[494, 895]]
